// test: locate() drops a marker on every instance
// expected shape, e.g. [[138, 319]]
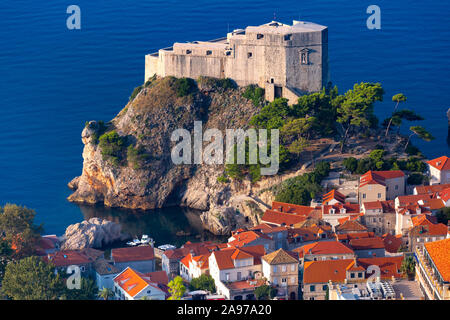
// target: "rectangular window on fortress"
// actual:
[[208, 52], [249, 55], [188, 51], [259, 36], [287, 37]]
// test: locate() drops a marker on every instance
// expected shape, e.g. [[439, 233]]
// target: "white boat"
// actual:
[[146, 239], [135, 242], [165, 247]]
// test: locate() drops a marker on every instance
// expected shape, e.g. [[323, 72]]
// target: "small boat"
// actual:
[[135, 242], [165, 247]]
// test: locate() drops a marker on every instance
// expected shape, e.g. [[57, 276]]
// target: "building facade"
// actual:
[[285, 60]]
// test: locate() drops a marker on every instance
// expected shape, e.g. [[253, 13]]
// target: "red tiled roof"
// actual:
[[246, 284], [349, 226], [324, 271], [441, 163], [246, 237], [158, 277], [292, 208], [439, 252], [387, 206], [389, 266], [355, 235], [133, 282], [350, 208], [438, 229], [367, 243], [333, 194], [412, 199], [423, 219], [432, 189], [225, 257], [279, 218], [392, 243], [323, 248], [445, 194], [379, 177], [69, 257], [268, 228], [140, 253]]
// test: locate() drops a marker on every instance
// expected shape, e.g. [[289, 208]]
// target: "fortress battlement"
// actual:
[[286, 60]]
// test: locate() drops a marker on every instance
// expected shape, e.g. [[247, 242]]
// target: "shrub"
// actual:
[[350, 164], [135, 92], [136, 156], [185, 86], [112, 145], [204, 282], [223, 179], [415, 179], [216, 83], [255, 94]]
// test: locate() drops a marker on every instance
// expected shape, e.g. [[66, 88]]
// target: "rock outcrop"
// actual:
[[94, 233]]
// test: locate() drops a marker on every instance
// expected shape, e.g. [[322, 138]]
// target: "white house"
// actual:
[[133, 285], [439, 170], [104, 274]]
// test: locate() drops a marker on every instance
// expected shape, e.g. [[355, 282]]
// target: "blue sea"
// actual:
[[54, 79]]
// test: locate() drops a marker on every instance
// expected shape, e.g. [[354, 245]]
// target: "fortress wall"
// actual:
[[191, 66], [151, 66]]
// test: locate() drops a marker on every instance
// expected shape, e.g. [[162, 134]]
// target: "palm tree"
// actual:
[[400, 97], [420, 132], [105, 293]]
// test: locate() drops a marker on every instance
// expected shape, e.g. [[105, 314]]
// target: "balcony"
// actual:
[[432, 283]]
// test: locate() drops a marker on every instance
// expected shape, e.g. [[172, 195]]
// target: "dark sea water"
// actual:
[[53, 79]]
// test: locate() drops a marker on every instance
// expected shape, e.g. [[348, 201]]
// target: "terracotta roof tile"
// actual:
[[279, 218], [439, 252], [324, 248], [139, 253], [441, 163], [367, 243], [279, 257]]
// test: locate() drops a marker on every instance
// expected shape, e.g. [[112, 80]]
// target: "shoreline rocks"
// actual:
[[93, 233]]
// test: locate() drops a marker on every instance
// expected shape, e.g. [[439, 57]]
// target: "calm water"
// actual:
[[54, 79]]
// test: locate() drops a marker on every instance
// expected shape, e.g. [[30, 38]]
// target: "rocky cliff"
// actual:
[[149, 179]]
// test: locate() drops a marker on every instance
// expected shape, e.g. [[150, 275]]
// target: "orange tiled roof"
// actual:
[[349, 226], [350, 208], [133, 282], [333, 194], [225, 257], [379, 177], [323, 271], [140, 253], [432, 189], [246, 284], [423, 219], [279, 218], [445, 194], [441, 163], [439, 252], [389, 266], [438, 229], [69, 257], [367, 243], [323, 248], [279, 257], [292, 208], [412, 199], [246, 237], [355, 235], [392, 243], [387, 206]]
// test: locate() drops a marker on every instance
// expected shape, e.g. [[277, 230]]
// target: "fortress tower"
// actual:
[[286, 60]]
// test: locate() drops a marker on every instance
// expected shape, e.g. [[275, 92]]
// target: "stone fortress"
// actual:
[[286, 60]]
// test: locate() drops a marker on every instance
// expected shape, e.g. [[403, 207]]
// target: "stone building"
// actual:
[[286, 60]]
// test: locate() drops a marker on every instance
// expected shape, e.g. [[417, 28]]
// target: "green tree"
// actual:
[[408, 266], [443, 215], [5, 257], [87, 291], [420, 132], [204, 282], [112, 146], [355, 108], [17, 226], [398, 98], [350, 164], [31, 279], [105, 293], [264, 292], [176, 288]]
